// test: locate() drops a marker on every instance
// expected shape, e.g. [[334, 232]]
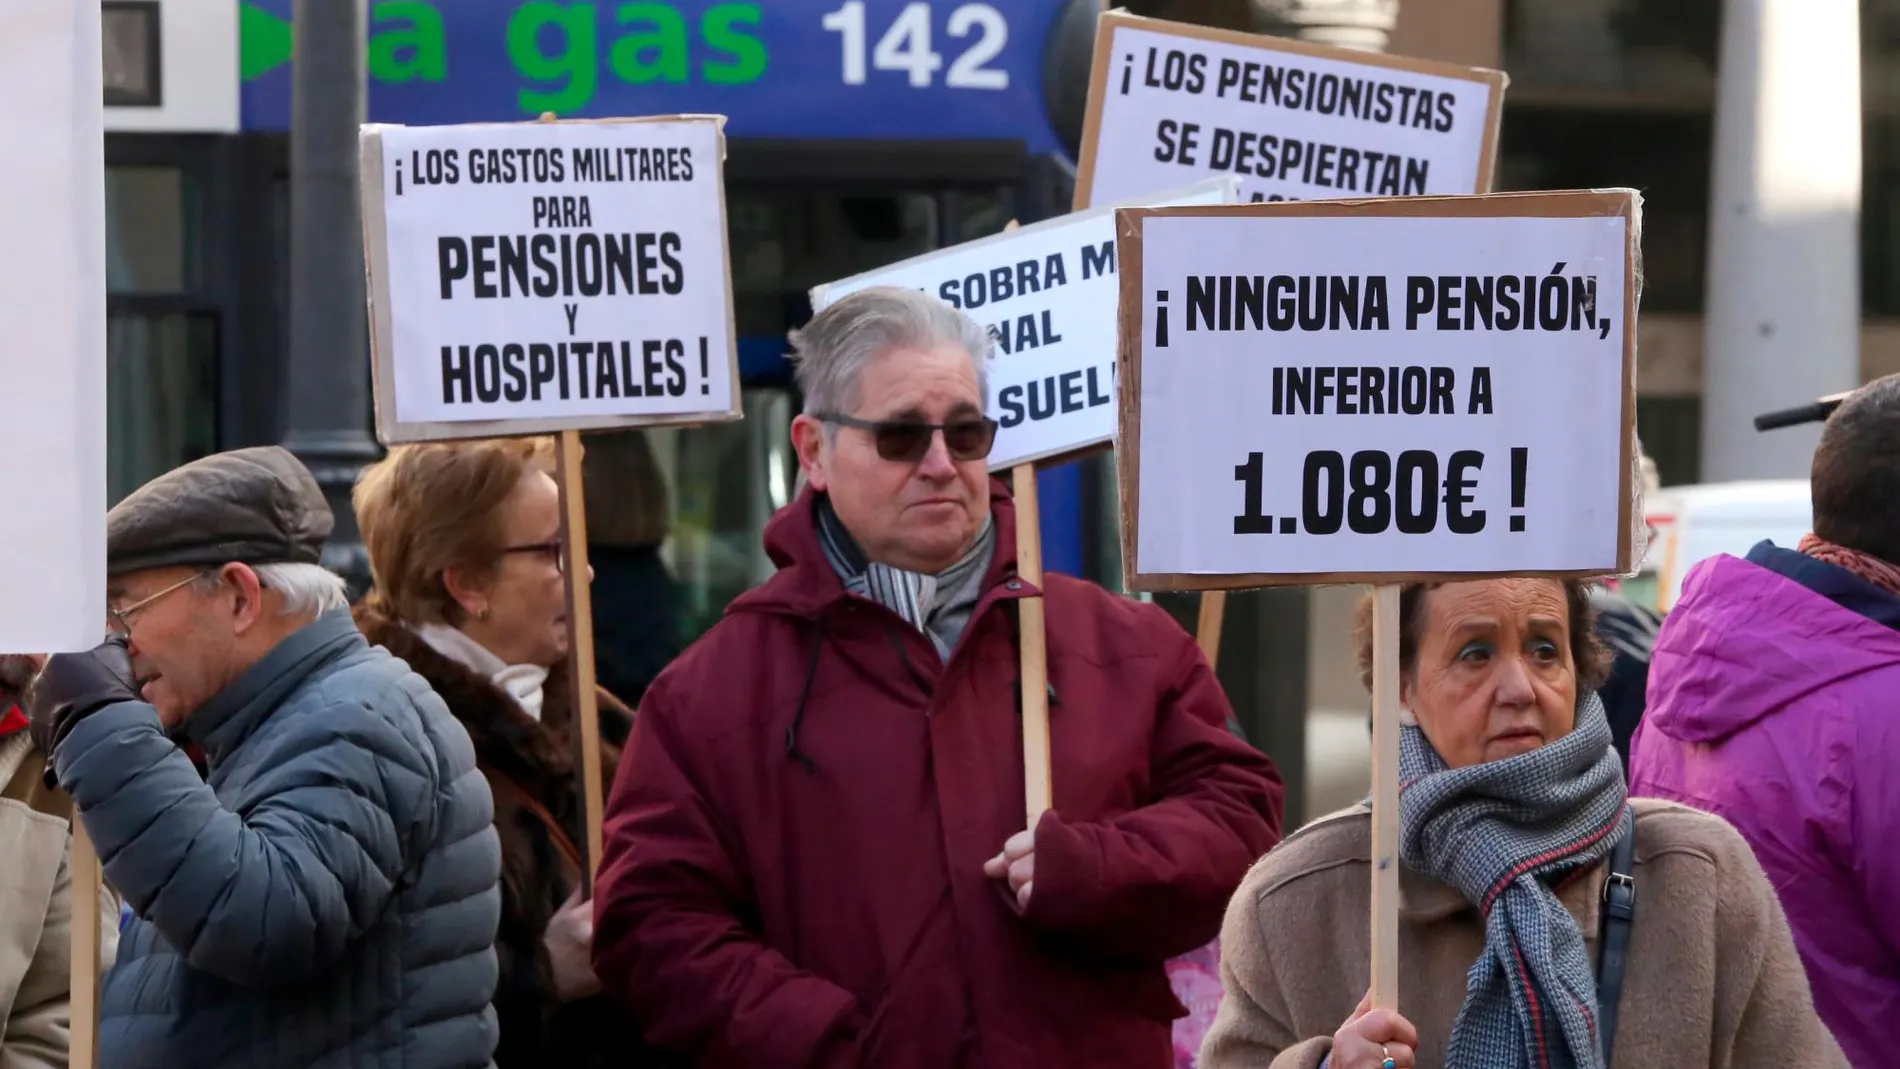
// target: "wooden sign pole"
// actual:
[[1038, 796], [1038, 793], [578, 577], [1385, 797], [87, 886], [1207, 631]]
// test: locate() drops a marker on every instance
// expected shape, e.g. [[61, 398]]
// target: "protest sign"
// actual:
[[53, 316], [1297, 121], [551, 276], [535, 277], [1415, 388], [1338, 392], [1047, 292], [53, 376]]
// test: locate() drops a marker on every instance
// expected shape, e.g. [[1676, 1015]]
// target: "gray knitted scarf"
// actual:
[[919, 598], [1504, 832]]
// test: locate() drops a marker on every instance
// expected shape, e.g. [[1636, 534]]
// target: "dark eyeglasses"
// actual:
[[550, 550], [906, 441]]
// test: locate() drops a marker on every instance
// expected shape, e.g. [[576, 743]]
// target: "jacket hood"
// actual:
[[1751, 637], [806, 584]]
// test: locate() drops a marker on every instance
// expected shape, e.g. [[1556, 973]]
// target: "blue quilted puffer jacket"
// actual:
[[328, 899]]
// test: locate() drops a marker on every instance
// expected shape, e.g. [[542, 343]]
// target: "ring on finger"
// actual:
[[1387, 1055]]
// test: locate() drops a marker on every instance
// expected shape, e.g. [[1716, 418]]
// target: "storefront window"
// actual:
[[153, 239], [1654, 52], [724, 481], [161, 395]]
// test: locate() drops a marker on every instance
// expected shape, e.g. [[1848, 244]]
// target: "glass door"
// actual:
[[165, 309]]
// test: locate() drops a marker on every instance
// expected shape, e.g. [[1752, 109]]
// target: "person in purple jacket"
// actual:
[[1774, 701]]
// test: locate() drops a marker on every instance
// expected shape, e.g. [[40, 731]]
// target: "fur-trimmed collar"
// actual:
[[539, 755]]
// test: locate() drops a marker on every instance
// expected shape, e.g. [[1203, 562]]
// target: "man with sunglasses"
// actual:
[[327, 893], [816, 853]]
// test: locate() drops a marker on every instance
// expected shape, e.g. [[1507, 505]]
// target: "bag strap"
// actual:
[[556, 833], [1613, 942]]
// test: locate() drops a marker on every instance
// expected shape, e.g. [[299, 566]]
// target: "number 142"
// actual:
[[905, 46]]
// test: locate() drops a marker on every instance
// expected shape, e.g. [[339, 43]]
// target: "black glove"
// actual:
[[72, 687]]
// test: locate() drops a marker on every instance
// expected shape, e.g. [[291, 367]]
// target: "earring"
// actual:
[[482, 615]]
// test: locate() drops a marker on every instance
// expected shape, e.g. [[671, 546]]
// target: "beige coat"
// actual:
[[1712, 978], [36, 912]]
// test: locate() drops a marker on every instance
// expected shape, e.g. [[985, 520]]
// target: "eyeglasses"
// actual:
[[551, 550], [906, 441], [122, 618]]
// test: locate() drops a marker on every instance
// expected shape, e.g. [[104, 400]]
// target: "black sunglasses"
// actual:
[[906, 441]]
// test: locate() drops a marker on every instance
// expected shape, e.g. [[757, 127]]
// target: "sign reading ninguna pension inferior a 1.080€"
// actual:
[[1047, 294], [532, 277], [1370, 391]]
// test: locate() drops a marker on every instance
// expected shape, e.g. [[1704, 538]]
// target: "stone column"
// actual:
[[327, 401], [1362, 24], [1784, 230]]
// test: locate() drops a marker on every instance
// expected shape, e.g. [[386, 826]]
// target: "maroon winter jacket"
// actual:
[[795, 841]]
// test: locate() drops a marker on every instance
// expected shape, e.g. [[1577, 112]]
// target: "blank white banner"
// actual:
[[52, 327]]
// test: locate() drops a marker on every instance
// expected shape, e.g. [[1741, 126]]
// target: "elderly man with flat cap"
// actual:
[[328, 895]]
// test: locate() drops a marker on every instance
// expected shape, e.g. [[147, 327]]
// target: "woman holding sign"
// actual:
[[1522, 859], [463, 539]]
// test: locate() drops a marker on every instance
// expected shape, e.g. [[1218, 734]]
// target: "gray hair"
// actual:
[[830, 352], [308, 590]]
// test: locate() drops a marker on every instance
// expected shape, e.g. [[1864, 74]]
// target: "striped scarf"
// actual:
[[1883, 574], [1504, 832], [922, 600]]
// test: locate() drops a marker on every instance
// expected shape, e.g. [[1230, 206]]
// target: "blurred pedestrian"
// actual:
[[464, 544], [1513, 815], [328, 896], [1773, 703], [36, 906], [816, 848], [636, 600]]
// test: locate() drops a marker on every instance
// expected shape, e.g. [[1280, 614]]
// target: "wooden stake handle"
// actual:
[[87, 886], [1207, 632], [578, 576], [1038, 797], [1385, 797]]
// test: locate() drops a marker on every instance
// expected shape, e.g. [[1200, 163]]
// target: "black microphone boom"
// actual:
[[1816, 411]]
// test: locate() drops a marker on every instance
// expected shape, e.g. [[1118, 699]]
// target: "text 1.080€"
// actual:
[[1373, 492]]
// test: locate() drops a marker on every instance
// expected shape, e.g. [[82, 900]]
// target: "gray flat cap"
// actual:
[[249, 506]]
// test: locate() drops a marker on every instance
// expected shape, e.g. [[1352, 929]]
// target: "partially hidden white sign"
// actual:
[[53, 366], [1381, 392], [1296, 121], [1047, 292], [555, 275]]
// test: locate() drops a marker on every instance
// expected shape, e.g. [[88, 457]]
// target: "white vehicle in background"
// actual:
[[1689, 524]]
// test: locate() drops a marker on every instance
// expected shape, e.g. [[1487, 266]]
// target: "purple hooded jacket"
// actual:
[[1774, 702]]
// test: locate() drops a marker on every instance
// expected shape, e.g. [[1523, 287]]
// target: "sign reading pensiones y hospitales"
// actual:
[[1047, 294], [535, 277], [1365, 391], [1297, 121]]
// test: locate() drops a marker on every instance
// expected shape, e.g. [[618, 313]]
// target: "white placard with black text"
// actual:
[[1362, 396], [1296, 121], [1047, 292], [548, 276], [53, 320]]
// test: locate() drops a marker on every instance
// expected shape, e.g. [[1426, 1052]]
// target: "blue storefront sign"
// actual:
[[933, 69]]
